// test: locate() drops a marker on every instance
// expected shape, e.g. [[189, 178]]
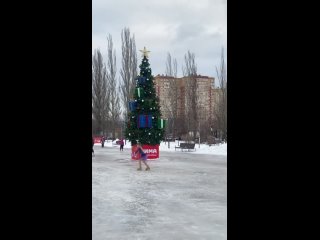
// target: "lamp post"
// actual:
[[175, 130], [199, 133], [200, 114], [166, 134]]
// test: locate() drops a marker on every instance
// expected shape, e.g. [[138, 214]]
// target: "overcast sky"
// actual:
[[163, 26]]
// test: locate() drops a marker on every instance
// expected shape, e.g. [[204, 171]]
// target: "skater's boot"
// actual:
[[147, 169], [139, 169]]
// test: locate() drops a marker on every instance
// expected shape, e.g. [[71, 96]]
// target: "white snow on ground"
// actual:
[[220, 149]]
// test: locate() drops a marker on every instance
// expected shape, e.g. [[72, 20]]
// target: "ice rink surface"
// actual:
[[184, 196]]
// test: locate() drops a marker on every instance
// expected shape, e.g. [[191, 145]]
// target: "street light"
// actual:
[[199, 132], [167, 134], [200, 113]]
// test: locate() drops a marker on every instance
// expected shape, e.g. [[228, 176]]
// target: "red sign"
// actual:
[[152, 152], [97, 139]]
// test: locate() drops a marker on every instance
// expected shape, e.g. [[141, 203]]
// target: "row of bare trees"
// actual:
[[195, 121], [129, 68], [100, 96], [178, 123], [109, 91], [171, 106], [192, 103]]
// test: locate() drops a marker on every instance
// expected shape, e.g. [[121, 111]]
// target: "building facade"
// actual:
[[166, 87]]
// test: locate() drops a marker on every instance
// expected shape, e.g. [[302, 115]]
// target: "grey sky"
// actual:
[[163, 26]]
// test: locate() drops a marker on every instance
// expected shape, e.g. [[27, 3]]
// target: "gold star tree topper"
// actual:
[[144, 52]]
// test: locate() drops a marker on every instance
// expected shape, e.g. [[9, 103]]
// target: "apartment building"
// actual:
[[205, 93]]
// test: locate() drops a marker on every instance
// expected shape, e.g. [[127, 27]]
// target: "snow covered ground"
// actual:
[[184, 196], [220, 149]]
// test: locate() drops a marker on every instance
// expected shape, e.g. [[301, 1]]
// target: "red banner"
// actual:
[[152, 152], [97, 139]]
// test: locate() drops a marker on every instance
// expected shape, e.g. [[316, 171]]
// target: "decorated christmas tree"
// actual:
[[144, 123]]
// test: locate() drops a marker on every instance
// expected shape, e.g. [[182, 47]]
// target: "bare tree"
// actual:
[[100, 96], [171, 106], [114, 106], [129, 68], [171, 67], [191, 102], [220, 106]]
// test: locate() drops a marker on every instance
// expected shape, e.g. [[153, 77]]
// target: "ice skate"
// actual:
[[139, 169], [147, 169]]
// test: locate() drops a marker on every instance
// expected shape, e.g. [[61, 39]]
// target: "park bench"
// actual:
[[116, 143], [186, 146], [214, 141], [217, 141]]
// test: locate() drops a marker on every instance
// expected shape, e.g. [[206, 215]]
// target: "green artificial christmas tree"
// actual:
[[144, 123]]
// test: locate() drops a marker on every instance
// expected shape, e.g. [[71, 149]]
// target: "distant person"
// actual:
[[121, 144], [143, 157], [102, 141], [92, 146]]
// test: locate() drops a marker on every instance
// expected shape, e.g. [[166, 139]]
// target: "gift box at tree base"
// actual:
[[152, 152]]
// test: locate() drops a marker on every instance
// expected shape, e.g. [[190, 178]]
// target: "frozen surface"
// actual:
[[184, 196]]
